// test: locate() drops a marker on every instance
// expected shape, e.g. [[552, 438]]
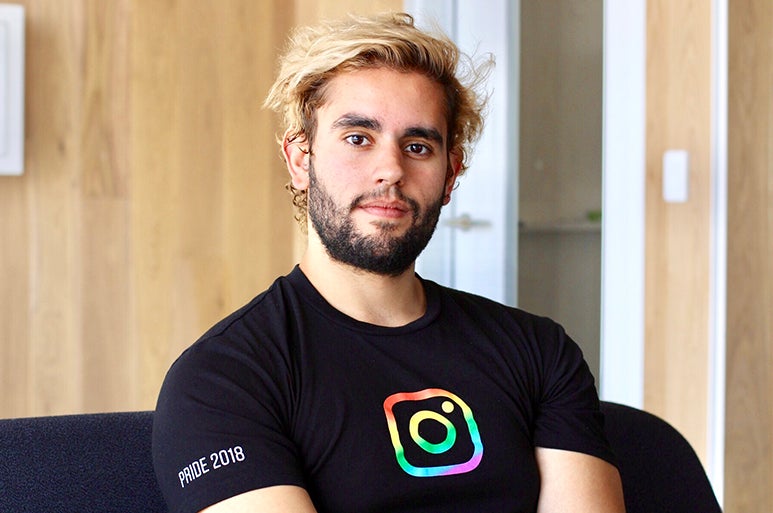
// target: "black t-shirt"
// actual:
[[442, 414]]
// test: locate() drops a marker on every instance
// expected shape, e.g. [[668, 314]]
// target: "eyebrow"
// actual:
[[429, 134], [359, 121], [356, 121]]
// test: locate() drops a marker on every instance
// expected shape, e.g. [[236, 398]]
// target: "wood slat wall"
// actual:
[[749, 406], [310, 11], [152, 201], [677, 279]]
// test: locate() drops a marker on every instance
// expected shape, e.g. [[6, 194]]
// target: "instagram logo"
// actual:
[[440, 433]]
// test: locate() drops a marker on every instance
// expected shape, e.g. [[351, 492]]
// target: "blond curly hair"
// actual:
[[316, 54]]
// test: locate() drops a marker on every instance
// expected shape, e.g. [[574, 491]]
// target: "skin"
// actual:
[[381, 136]]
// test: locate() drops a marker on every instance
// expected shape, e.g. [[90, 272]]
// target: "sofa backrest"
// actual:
[[91, 463]]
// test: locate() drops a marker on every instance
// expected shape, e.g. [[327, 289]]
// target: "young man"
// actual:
[[352, 385]]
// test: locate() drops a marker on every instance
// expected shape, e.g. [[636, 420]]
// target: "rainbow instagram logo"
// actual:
[[434, 420]]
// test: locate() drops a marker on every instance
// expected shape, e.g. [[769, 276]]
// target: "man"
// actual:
[[352, 385]]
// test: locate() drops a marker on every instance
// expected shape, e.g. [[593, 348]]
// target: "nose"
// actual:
[[389, 166]]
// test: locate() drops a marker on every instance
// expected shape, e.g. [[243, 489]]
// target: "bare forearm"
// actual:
[[274, 499], [578, 483]]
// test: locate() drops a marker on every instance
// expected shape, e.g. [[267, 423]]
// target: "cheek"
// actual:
[[335, 166], [339, 186], [343, 178]]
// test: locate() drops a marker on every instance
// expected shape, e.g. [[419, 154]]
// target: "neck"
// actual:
[[368, 297]]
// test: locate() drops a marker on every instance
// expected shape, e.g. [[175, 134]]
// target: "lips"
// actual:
[[384, 208]]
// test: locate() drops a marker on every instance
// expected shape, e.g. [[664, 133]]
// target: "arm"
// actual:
[[576, 482], [278, 499]]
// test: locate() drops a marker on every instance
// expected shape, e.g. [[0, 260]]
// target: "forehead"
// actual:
[[395, 97]]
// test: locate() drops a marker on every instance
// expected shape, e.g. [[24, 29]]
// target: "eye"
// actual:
[[418, 149], [356, 140]]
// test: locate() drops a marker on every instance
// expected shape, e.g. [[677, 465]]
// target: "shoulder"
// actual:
[[526, 337], [232, 388], [487, 309]]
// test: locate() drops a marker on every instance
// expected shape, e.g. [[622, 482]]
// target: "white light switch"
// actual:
[[676, 176]]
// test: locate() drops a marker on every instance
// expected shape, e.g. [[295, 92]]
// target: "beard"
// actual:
[[382, 252]]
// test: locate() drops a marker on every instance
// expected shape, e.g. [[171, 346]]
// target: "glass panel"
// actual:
[[559, 257]]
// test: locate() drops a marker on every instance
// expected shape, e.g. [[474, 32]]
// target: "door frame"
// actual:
[[623, 203]]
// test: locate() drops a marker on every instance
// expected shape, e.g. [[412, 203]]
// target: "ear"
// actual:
[[454, 169], [297, 154]]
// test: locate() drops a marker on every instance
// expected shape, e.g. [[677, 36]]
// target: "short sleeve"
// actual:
[[220, 426], [568, 415]]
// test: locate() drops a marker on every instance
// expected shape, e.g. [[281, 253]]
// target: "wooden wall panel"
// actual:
[[15, 286], [53, 215], [749, 424], [152, 202], [678, 234], [107, 352], [215, 222], [309, 11]]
